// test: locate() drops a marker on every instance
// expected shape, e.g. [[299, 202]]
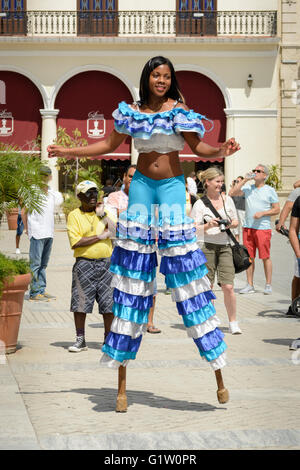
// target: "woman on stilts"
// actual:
[[160, 123]]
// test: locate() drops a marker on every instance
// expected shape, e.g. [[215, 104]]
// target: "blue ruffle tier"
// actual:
[[133, 315], [133, 301], [199, 316], [182, 263], [195, 303], [144, 125], [133, 260], [181, 279]]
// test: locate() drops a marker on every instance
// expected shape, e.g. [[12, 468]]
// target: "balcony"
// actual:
[[139, 23]]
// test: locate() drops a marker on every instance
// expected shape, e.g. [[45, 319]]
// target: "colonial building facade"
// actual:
[[290, 93], [69, 62]]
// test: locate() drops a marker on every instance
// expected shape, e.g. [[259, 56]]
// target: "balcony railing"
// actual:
[[139, 23]]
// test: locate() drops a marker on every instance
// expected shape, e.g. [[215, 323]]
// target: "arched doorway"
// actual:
[[86, 102], [20, 104], [205, 97]]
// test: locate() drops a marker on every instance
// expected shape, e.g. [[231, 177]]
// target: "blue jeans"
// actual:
[[39, 254]]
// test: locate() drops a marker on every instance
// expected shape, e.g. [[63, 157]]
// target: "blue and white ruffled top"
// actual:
[[157, 132]]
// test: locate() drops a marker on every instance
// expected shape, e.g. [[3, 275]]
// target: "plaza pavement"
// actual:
[[53, 399]]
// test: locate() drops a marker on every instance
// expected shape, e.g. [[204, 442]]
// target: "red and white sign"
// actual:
[[95, 125], [6, 124]]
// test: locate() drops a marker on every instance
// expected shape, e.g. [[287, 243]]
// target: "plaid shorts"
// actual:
[[91, 279]]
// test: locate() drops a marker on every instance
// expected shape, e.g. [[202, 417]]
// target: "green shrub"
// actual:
[[10, 267]]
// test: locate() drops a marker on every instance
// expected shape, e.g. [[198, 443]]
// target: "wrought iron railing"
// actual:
[[139, 23]]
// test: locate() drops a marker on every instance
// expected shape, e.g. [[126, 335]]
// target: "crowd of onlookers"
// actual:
[[248, 206], [246, 209]]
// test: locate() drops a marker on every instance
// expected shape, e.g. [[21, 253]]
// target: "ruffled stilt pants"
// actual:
[[156, 213]]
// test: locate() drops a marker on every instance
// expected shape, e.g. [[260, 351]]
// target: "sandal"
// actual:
[[153, 330]]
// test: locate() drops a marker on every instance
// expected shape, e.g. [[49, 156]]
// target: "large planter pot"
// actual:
[[12, 219], [11, 305]]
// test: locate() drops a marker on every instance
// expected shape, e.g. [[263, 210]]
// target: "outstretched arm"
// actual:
[[207, 151], [293, 235], [102, 147]]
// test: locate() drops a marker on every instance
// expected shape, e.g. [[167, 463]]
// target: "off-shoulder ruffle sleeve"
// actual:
[[143, 125]]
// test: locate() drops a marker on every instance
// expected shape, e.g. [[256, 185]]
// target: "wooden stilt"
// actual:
[[222, 392], [121, 406]]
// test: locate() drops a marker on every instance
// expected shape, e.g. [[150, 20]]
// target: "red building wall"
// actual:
[[87, 93], [20, 104], [204, 96]]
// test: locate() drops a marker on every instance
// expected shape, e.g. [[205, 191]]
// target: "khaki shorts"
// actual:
[[219, 260]]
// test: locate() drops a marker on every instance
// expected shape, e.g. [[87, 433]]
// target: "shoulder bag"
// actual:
[[240, 255]]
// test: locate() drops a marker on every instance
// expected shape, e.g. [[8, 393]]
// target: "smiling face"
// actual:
[[160, 80], [215, 184]]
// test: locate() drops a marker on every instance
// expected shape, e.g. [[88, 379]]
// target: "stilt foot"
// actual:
[[223, 395], [121, 406]]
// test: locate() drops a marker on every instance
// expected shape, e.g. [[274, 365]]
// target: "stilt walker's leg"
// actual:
[[222, 392], [122, 398]]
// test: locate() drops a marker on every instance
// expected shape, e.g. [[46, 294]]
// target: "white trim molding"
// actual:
[[90, 68], [253, 113], [49, 113]]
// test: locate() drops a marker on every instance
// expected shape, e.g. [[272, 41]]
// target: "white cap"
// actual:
[[84, 186]]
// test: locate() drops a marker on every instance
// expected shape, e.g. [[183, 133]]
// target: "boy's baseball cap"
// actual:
[[45, 170], [84, 186]]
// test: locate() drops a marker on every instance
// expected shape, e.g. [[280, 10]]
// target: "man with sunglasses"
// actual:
[[261, 202]]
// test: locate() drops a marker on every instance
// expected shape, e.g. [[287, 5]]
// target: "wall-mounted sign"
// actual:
[[6, 123], [95, 125]]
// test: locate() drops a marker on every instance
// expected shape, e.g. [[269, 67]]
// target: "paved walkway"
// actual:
[[52, 399]]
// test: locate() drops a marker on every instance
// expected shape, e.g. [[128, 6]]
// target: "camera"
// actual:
[[282, 230], [223, 223]]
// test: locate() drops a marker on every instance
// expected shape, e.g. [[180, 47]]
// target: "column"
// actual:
[[229, 163], [48, 136]]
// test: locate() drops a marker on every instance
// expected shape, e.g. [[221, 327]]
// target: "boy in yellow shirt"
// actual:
[[90, 229]]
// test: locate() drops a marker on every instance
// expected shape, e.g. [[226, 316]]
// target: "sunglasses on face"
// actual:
[[258, 171], [91, 193]]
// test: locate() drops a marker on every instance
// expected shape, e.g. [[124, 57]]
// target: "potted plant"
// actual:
[[12, 218], [15, 277], [274, 178]]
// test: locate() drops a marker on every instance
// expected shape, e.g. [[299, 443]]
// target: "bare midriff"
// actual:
[[159, 166]]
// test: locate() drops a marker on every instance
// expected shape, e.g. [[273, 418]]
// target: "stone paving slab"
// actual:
[[59, 400]]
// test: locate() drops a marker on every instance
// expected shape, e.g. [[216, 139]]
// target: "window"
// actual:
[[97, 17], [14, 22], [196, 17]]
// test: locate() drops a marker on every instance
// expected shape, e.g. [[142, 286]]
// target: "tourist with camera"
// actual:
[[211, 231], [261, 202]]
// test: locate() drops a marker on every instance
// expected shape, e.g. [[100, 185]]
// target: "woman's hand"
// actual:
[[229, 147], [212, 223], [57, 151]]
